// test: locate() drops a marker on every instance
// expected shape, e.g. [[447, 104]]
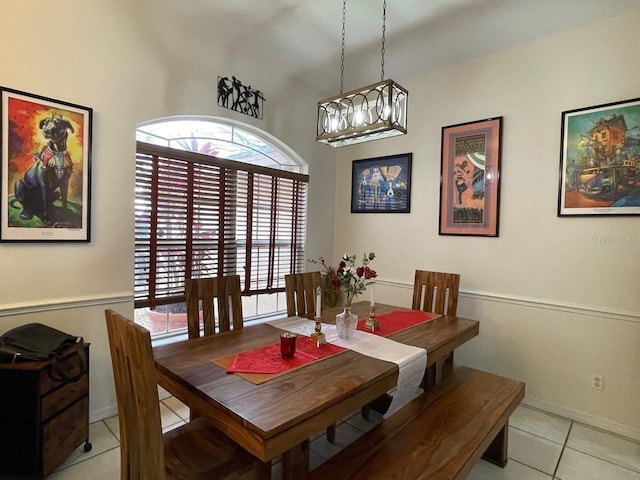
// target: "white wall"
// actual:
[[555, 305], [117, 57]]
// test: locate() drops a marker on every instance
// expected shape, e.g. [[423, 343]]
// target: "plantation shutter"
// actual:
[[200, 216]]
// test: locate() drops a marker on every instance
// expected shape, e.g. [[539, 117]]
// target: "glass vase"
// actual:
[[346, 323]]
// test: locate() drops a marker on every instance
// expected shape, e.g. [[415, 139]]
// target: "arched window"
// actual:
[[214, 197], [222, 138]]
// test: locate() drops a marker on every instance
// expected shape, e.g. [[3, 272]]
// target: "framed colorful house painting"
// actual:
[[599, 160]]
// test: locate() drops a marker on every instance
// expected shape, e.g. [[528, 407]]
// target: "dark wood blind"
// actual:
[[200, 216]]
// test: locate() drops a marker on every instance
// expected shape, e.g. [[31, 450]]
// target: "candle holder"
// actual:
[[288, 344], [317, 336], [372, 322]]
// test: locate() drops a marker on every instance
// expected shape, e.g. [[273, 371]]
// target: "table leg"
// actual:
[[264, 471], [447, 366], [295, 462], [429, 379]]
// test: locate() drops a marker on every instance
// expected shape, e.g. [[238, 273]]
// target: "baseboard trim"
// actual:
[[103, 413]]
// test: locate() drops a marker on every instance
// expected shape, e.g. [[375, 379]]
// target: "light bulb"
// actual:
[[333, 123]]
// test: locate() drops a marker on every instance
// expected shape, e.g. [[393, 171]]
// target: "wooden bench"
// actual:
[[438, 436]]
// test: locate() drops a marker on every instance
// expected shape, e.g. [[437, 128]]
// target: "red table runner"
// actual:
[[393, 322], [264, 363]]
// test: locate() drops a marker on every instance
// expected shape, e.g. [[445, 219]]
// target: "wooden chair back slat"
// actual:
[[436, 292], [220, 300], [141, 444], [300, 289]]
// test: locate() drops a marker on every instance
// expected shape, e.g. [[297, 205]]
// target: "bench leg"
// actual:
[[497, 452], [331, 433], [447, 366], [295, 462], [366, 412]]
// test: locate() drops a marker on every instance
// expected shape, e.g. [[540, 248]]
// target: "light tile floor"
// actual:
[[542, 446]]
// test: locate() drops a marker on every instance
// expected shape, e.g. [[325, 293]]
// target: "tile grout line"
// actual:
[[117, 437], [529, 466], [604, 460], [564, 446], [535, 435]]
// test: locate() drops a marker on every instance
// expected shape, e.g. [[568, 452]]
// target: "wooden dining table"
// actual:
[[279, 416]]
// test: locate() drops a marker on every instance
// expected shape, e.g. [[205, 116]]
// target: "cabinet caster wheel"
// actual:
[[87, 446]]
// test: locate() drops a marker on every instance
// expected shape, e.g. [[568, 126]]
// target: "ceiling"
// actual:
[[302, 38]]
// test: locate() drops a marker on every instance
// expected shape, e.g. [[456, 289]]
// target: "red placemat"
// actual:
[[267, 359], [397, 320], [264, 363]]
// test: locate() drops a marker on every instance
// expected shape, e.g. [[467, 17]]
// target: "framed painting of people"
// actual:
[[470, 178], [45, 164], [381, 185], [599, 160]]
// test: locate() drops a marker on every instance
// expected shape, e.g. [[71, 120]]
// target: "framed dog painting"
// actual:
[[46, 163], [381, 185]]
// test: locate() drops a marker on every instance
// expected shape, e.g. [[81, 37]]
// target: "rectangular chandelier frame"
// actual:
[[370, 113]]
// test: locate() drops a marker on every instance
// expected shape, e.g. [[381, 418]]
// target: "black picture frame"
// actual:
[[599, 160], [46, 169], [470, 178], [382, 184]]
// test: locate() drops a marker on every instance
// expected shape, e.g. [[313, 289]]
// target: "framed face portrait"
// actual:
[[470, 178]]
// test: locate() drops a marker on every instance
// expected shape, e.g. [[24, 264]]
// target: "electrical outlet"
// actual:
[[597, 381]]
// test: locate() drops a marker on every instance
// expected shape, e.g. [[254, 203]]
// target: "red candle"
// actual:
[[288, 344]]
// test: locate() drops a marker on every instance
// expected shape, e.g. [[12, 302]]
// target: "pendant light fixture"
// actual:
[[369, 113]]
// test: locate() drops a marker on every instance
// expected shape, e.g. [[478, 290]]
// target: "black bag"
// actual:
[[38, 342]]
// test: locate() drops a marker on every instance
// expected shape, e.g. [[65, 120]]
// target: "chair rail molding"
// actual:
[[63, 304], [68, 303], [530, 302]]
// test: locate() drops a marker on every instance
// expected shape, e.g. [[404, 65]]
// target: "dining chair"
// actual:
[[300, 289], [220, 301], [192, 451], [436, 292]]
